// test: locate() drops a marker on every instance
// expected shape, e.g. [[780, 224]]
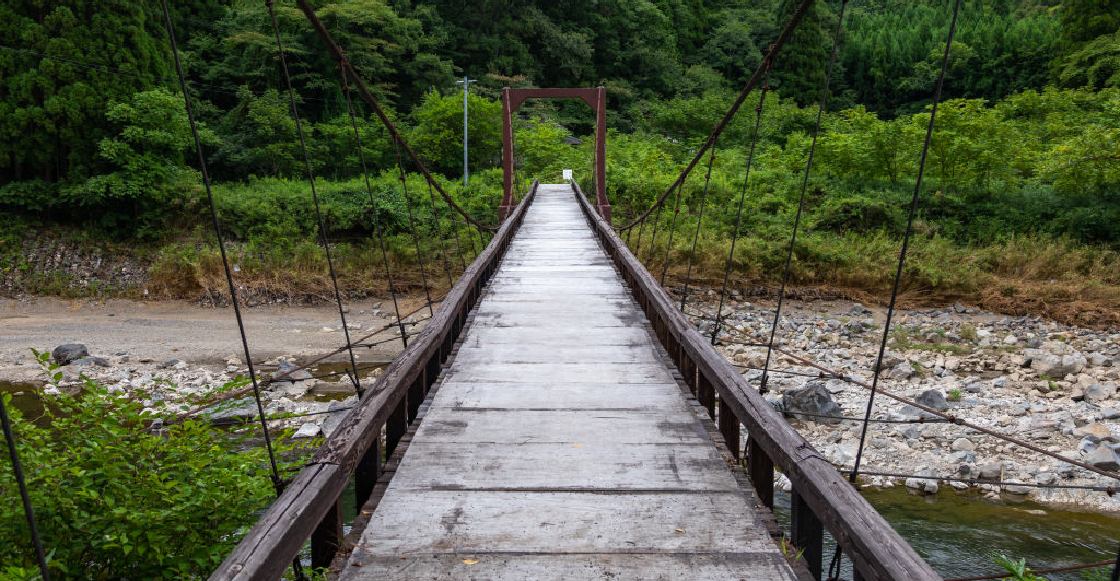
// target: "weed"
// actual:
[[953, 395]]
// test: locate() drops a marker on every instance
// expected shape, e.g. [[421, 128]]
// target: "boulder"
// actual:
[[933, 399], [1099, 392], [1104, 458], [926, 485], [291, 372], [901, 372], [963, 445], [1057, 367], [65, 354], [990, 470], [86, 361], [308, 430], [1097, 431], [811, 399]]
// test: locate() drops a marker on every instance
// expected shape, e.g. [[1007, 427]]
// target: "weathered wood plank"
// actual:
[[616, 567]]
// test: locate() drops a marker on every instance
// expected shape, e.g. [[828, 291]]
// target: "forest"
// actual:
[[1020, 191]]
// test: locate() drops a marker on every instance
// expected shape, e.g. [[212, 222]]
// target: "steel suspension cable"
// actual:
[[314, 194], [739, 210], [901, 260], [699, 222], [412, 227], [365, 93], [823, 102], [437, 231], [653, 235], [672, 230], [377, 227], [28, 509], [277, 483]]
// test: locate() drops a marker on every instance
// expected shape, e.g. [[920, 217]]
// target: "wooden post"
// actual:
[[366, 473], [761, 472], [601, 203], [327, 537], [729, 429], [396, 426], [416, 395], [807, 533], [706, 394], [507, 157]]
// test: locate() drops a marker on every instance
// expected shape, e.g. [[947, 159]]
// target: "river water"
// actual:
[[957, 533]]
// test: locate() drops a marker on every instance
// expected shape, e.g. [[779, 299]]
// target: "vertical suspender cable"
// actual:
[[672, 230], [314, 196], [438, 233], [801, 201], [905, 240], [699, 222], [901, 262], [377, 227], [653, 234], [742, 197], [412, 227], [28, 510], [277, 483]]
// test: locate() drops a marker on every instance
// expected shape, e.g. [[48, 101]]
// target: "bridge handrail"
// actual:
[[311, 500], [875, 548]]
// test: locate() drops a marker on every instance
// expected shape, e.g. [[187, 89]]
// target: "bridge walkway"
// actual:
[[559, 445]]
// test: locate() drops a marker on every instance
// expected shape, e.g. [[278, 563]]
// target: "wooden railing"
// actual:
[[310, 506], [821, 497]]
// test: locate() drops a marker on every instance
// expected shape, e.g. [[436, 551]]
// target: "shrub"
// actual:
[[114, 501]]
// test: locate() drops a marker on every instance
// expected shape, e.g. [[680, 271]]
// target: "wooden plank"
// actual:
[[546, 395], [479, 521], [596, 465], [616, 567], [607, 373], [669, 426], [874, 547]]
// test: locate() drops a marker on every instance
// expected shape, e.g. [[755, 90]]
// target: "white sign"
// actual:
[[567, 174]]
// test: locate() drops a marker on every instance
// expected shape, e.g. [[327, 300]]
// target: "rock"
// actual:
[[291, 372], [308, 430], [1095, 430], [963, 445], [65, 354], [990, 470], [962, 457], [1098, 392], [169, 363], [926, 485], [933, 399], [1098, 360], [1010, 340], [87, 361], [240, 410], [1104, 458], [901, 372], [811, 399]]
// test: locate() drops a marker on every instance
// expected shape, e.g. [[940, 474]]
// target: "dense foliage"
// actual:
[[114, 500]]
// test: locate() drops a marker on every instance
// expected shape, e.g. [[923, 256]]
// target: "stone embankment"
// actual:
[[1051, 385]]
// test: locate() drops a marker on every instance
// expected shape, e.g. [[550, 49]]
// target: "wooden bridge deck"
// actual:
[[559, 445]]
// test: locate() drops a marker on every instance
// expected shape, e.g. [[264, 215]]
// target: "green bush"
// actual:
[[114, 501]]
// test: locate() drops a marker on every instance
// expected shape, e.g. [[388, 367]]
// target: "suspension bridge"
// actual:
[[559, 416]]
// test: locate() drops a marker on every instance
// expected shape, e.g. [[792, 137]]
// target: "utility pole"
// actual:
[[465, 83]]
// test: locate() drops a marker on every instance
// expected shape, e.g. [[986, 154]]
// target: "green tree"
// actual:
[[437, 133], [800, 68], [1095, 64]]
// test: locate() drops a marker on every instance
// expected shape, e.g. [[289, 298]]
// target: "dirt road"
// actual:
[[161, 330]]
